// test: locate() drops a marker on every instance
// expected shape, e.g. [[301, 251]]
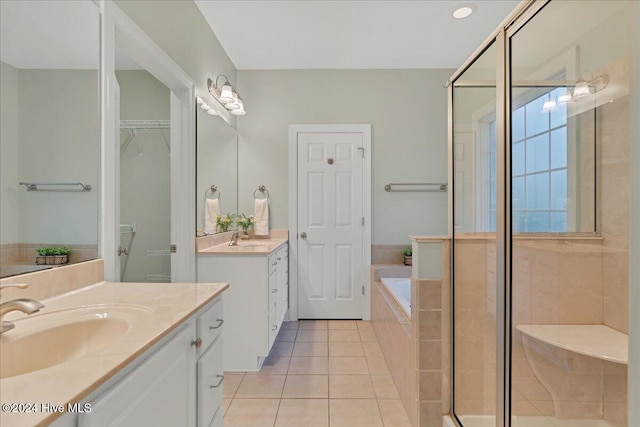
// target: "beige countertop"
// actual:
[[152, 310], [244, 247]]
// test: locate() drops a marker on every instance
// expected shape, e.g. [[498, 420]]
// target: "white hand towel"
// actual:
[[211, 211], [261, 217]]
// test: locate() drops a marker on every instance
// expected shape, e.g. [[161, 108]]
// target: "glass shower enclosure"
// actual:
[[539, 129]]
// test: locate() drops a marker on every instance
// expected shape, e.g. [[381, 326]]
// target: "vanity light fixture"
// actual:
[[463, 10], [565, 97], [548, 105], [210, 111], [226, 95], [581, 89]]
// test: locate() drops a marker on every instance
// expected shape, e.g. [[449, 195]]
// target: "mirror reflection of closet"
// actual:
[[217, 164], [145, 178]]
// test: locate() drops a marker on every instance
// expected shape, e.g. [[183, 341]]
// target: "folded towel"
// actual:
[[211, 211], [261, 217]]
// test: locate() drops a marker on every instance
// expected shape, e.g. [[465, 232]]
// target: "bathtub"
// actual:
[[400, 289]]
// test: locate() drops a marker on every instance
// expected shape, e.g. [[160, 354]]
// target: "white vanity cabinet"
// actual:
[[176, 383], [256, 302]]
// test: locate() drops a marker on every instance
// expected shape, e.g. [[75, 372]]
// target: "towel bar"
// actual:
[[261, 188], [214, 190]]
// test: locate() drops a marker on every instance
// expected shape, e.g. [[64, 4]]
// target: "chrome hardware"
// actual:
[[173, 249], [330, 160], [197, 342], [273, 291], [219, 382], [274, 327], [122, 250], [234, 239], [279, 259], [220, 322], [274, 263], [303, 235], [27, 306]]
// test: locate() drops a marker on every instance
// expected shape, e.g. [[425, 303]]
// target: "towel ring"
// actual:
[[262, 189], [213, 189]]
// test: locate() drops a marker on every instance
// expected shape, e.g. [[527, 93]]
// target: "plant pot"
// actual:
[[408, 260], [52, 259]]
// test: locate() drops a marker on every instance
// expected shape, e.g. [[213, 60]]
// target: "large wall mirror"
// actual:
[[217, 164], [49, 133]]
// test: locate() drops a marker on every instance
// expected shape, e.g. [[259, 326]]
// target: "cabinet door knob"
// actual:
[[220, 322], [303, 235], [219, 382], [197, 342], [274, 327], [279, 259], [274, 263]]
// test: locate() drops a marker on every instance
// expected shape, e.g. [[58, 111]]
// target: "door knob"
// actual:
[[303, 235]]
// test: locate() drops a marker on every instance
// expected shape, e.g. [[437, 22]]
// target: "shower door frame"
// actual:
[[524, 12]]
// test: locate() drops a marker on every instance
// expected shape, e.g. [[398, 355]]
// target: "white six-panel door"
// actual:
[[330, 225]]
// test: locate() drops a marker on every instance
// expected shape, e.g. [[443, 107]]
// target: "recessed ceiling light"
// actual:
[[463, 10]]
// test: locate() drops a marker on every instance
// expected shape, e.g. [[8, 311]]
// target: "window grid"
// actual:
[[524, 214]]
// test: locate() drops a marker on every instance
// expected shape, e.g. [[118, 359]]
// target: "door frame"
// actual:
[[116, 25], [294, 130]]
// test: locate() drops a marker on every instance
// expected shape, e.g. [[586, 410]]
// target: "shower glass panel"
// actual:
[[474, 242], [569, 124]]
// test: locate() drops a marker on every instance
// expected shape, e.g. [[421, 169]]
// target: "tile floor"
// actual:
[[320, 373]]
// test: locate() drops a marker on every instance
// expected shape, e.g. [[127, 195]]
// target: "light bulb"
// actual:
[[581, 89], [226, 94], [548, 105], [565, 97]]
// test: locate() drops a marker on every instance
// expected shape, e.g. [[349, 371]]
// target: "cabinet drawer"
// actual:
[[274, 327], [210, 383], [210, 324], [273, 291]]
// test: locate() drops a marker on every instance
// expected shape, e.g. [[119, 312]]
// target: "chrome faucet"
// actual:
[[234, 239], [27, 306]]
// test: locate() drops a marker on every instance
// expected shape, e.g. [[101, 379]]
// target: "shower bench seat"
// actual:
[[599, 341]]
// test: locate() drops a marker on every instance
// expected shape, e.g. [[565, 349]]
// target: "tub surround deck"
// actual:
[[163, 307]]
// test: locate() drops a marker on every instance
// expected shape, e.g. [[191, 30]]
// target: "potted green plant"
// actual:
[[408, 255], [53, 256]]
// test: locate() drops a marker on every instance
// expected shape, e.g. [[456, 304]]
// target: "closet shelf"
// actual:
[[599, 341]]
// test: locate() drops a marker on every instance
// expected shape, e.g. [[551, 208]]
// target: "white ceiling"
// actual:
[[61, 34], [311, 34]]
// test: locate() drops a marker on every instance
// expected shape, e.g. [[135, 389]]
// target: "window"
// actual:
[[538, 166]]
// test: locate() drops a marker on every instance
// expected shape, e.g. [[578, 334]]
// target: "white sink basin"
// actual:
[[49, 339]]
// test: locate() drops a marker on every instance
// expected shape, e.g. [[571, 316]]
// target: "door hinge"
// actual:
[[362, 150], [173, 249], [363, 221], [362, 289]]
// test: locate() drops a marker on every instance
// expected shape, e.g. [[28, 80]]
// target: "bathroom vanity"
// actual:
[[257, 300], [148, 354]]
